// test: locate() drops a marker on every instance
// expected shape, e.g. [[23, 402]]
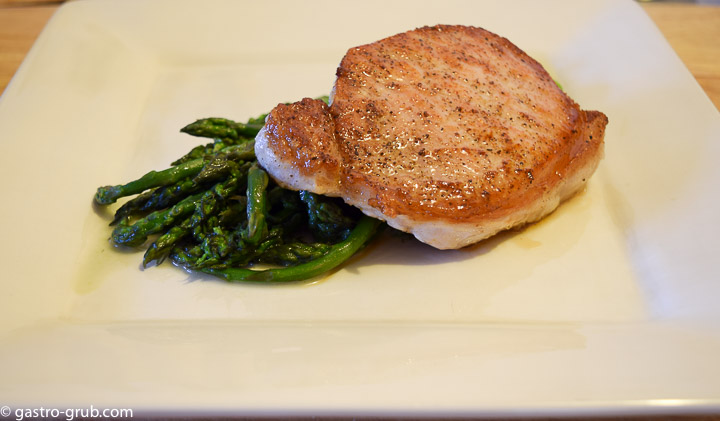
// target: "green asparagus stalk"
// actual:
[[257, 200], [161, 247], [221, 128], [109, 194], [158, 221], [294, 253], [155, 199], [338, 254]]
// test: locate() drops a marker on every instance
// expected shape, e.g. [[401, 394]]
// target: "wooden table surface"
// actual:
[[692, 30]]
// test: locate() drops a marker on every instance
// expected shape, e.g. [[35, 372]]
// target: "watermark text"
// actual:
[[68, 414]]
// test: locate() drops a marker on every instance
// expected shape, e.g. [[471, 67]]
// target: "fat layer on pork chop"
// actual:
[[451, 133]]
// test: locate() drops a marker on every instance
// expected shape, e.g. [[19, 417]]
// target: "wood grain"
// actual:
[[19, 27]]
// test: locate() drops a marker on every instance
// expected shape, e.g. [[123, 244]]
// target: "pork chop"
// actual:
[[451, 133]]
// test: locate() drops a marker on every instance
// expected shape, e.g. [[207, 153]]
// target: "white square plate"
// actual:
[[607, 306]]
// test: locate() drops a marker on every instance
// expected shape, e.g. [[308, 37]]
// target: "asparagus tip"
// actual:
[[107, 195]]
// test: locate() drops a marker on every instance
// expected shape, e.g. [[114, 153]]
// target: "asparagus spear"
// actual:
[[109, 194], [158, 221], [338, 254], [156, 199], [294, 253], [257, 227], [222, 128]]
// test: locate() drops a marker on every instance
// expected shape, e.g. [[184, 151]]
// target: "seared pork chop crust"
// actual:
[[449, 132]]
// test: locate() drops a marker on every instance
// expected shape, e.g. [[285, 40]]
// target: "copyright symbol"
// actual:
[[5, 411]]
